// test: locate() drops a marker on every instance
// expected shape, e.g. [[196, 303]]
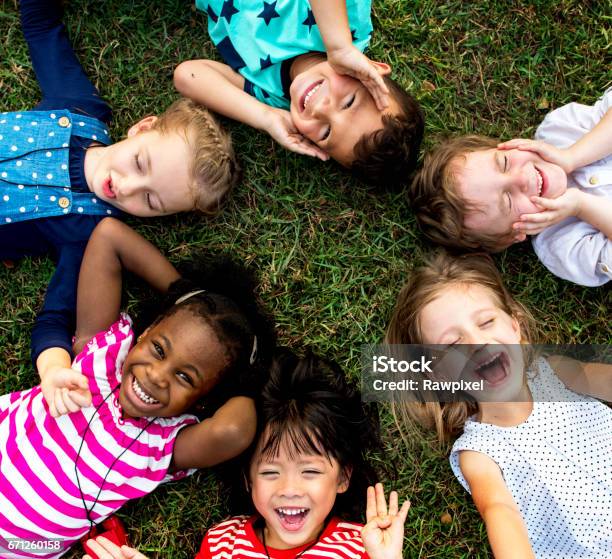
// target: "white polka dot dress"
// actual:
[[558, 467]]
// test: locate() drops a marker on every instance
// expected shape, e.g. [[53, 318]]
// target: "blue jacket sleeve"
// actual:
[[61, 78], [55, 324]]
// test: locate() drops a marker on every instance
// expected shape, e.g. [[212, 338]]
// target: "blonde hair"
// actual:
[[439, 209], [214, 169], [426, 283]]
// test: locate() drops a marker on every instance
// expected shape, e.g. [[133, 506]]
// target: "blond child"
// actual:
[[475, 193], [533, 452], [60, 174]]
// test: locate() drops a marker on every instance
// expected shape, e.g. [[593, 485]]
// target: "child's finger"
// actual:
[[370, 504], [403, 512], [393, 503], [69, 403], [59, 402], [109, 546], [381, 502], [511, 144], [100, 552], [80, 398]]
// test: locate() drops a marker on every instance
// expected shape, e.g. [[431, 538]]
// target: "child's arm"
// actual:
[[112, 248], [216, 439], [218, 87], [383, 535], [593, 379], [505, 526], [343, 56]]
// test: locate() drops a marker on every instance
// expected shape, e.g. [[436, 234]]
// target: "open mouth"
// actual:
[[541, 182], [292, 519], [495, 369], [310, 91], [107, 188], [142, 394]]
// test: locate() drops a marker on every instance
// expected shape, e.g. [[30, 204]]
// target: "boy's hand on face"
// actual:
[[280, 126], [105, 549], [553, 211], [65, 390], [383, 535], [350, 61], [548, 152]]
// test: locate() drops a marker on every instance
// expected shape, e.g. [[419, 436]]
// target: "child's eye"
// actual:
[[185, 377], [148, 198], [311, 472], [349, 102], [268, 473], [487, 323], [138, 165], [325, 134], [505, 163], [509, 201], [158, 349]]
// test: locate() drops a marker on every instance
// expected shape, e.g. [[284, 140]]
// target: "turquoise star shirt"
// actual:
[[259, 39]]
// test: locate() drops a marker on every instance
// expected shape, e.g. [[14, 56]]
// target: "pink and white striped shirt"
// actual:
[[41, 507], [236, 539]]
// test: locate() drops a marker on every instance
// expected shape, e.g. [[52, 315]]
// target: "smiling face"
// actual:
[[175, 362], [147, 174], [294, 492], [500, 183], [481, 340], [335, 111]]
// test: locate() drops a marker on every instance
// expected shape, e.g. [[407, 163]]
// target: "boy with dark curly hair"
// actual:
[[296, 70]]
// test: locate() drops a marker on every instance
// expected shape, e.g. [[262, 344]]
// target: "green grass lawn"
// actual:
[[331, 254]]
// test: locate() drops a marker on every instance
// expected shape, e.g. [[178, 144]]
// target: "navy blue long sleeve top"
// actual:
[[63, 85]]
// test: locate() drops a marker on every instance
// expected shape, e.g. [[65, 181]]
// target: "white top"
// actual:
[[573, 249], [557, 465]]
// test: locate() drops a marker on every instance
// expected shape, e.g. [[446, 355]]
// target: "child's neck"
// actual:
[[507, 414], [90, 164], [302, 62]]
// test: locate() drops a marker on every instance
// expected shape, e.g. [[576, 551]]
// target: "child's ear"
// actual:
[[142, 125], [382, 68], [345, 480], [519, 237]]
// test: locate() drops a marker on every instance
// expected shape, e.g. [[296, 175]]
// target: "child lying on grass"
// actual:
[[295, 69]]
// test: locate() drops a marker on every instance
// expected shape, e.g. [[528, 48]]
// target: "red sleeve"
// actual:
[[204, 552]]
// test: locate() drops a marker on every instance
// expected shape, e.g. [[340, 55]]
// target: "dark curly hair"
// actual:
[[387, 157], [230, 306], [307, 406]]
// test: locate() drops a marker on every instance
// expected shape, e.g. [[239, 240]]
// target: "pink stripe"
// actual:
[[20, 462]]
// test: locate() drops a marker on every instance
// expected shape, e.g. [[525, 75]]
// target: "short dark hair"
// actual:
[[308, 405], [387, 156]]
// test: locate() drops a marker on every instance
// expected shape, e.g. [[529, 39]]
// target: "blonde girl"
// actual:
[[537, 462]]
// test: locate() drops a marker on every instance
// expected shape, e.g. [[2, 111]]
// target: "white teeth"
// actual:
[[138, 390], [483, 365], [291, 512], [310, 93], [540, 181]]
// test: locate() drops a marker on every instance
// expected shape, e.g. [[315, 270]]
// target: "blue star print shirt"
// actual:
[[259, 39], [46, 206]]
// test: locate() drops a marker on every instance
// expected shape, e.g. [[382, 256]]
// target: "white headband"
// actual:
[[189, 295]]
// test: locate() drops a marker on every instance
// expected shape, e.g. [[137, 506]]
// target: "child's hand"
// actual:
[[352, 62], [548, 152], [383, 535], [553, 211], [280, 126], [65, 390], [105, 549]]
